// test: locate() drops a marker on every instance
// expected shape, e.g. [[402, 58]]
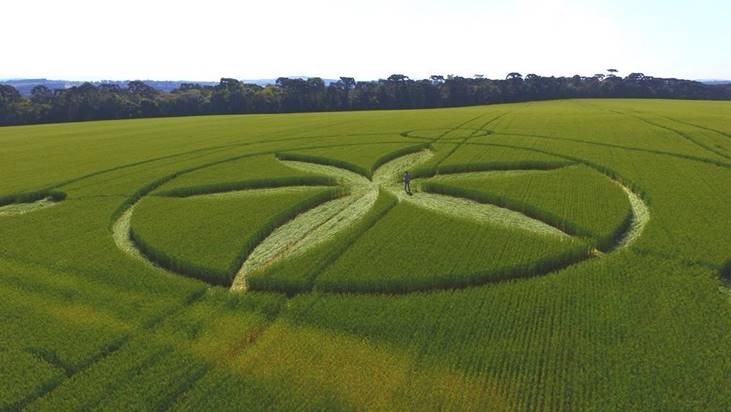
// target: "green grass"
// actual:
[[469, 158], [86, 326], [24, 376]]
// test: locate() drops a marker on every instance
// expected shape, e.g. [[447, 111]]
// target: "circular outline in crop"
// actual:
[[639, 209], [476, 133]]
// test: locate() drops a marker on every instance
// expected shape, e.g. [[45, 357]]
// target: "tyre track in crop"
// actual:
[[116, 346], [156, 183], [461, 125], [638, 205], [722, 133], [211, 149], [126, 214], [447, 131], [683, 135], [466, 139], [615, 146]]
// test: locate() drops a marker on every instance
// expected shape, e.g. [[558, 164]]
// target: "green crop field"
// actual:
[[562, 255]]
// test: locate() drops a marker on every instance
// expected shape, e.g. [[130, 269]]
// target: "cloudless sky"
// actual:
[[367, 39]]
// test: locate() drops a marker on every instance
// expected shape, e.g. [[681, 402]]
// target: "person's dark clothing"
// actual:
[[407, 182]]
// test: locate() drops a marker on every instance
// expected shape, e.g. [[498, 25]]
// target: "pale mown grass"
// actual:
[[479, 212], [121, 235], [306, 231], [16, 209], [640, 218]]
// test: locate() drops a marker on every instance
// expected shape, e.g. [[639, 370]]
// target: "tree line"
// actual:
[[230, 96]]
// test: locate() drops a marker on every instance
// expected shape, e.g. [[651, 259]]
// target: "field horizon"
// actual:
[[560, 255]]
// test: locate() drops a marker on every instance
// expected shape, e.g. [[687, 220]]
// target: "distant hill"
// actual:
[[715, 82], [24, 86]]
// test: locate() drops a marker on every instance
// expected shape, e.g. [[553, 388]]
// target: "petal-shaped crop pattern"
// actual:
[[364, 234]]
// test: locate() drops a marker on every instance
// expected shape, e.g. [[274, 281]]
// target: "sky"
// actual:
[[365, 39]]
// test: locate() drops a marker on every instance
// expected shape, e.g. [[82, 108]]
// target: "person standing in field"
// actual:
[[407, 182]]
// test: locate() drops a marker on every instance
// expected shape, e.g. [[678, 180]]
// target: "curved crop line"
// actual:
[[537, 165], [248, 185], [536, 268], [340, 175], [465, 208], [342, 164], [510, 165], [30, 197], [635, 223], [391, 171], [500, 201], [407, 133], [298, 157], [121, 233], [615, 240], [467, 138], [616, 146], [396, 154], [461, 125], [211, 149], [722, 133], [678, 133], [638, 198], [476, 133], [726, 273], [612, 174], [22, 203]]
